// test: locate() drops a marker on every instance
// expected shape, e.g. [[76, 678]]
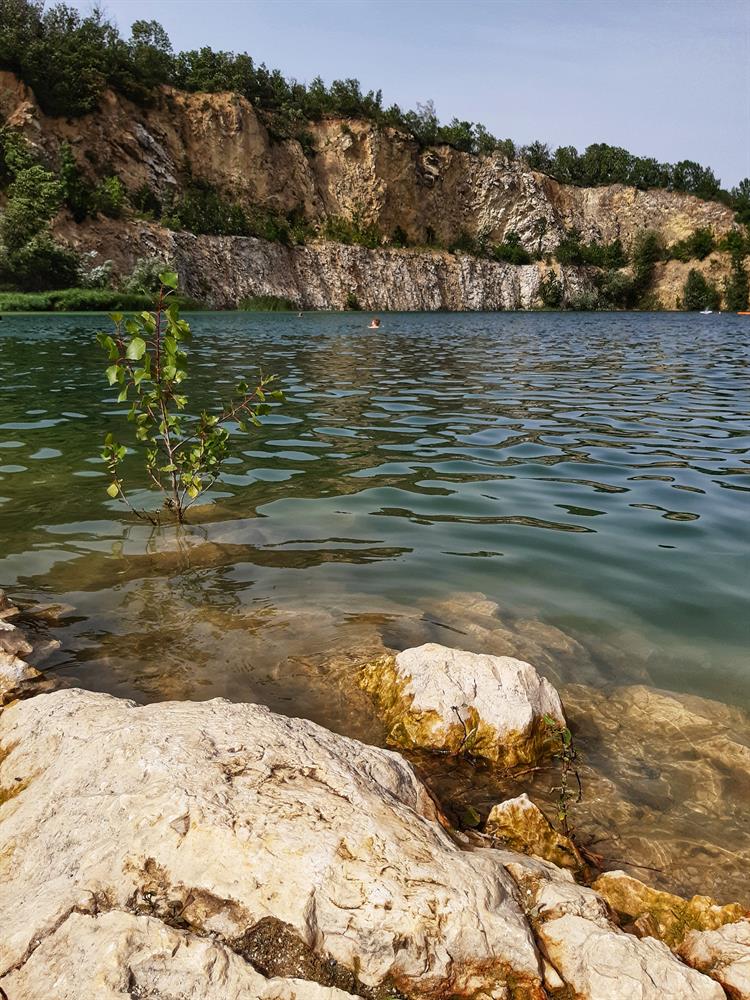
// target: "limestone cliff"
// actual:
[[347, 168]]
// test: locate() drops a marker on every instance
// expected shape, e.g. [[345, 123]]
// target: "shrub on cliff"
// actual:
[[30, 259], [736, 286], [551, 291], [699, 293], [511, 251], [352, 231], [697, 246]]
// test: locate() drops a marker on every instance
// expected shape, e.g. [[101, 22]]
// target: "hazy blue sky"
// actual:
[[667, 78]]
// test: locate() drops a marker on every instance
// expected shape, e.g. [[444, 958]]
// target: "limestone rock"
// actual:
[[113, 955], [218, 816], [661, 914], [446, 699], [522, 826], [723, 954], [597, 960]]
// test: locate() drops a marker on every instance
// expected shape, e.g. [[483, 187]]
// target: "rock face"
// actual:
[[224, 270], [663, 915], [215, 816], [437, 698], [350, 169], [723, 954], [112, 955], [522, 826]]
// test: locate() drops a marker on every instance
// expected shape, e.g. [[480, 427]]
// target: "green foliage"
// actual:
[[72, 300], [34, 196], [146, 202], [351, 231], [572, 250], [647, 250], [615, 289], [510, 251], [740, 201], [148, 366], [550, 291], [399, 238], [567, 755], [352, 302], [30, 259], [145, 278], [109, 197], [736, 287], [201, 209], [699, 293], [266, 303], [77, 192], [697, 246]]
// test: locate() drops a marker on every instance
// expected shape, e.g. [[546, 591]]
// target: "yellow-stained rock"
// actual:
[[661, 914], [448, 700], [522, 826]]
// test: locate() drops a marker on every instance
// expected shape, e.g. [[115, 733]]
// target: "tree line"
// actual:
[[69, 60]]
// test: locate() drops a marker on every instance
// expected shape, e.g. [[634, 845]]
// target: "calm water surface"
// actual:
[[584, 471]]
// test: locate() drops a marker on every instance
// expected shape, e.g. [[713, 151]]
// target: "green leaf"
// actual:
[[138, 375], [116, 318], [123, 395], [136, 349], [112, 373], [113, 490], [169, 279]]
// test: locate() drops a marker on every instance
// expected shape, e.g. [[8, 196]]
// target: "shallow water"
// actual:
[[588, 474]]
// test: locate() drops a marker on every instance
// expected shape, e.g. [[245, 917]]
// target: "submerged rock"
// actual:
[[18, 679], [663, 915], [522, 826], [723, 954], [449, 700]]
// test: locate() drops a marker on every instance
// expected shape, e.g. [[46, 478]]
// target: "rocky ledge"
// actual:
[[218, 850]]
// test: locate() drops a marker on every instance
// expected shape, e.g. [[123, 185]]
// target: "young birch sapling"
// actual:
[[183, 453]]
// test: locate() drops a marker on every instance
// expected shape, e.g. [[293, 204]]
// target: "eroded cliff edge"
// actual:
[[347, 169]]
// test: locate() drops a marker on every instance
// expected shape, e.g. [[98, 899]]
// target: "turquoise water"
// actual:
[[584, 471]]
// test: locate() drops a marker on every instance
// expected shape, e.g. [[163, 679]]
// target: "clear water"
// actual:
[[569, 488]]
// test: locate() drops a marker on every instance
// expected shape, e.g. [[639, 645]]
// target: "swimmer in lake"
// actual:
[[375, 324]]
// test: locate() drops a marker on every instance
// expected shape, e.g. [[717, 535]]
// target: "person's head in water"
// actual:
[[375, 324]]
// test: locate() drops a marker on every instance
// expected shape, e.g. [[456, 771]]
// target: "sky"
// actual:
[[664, 78]]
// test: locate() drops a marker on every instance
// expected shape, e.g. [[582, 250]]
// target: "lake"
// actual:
[[575, 482]]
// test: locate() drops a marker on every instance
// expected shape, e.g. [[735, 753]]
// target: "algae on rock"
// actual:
[[448, 700]]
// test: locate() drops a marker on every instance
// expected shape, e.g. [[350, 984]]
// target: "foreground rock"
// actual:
[[115, 955], [595, 959], [723, 954], [218, 816], [448, 700], [215, 850]]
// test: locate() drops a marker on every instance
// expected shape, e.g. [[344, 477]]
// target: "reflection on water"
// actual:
[[587, 474]]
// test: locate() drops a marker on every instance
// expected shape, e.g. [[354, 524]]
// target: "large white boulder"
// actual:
[[444, 699], [215, 816], [114, 955]]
